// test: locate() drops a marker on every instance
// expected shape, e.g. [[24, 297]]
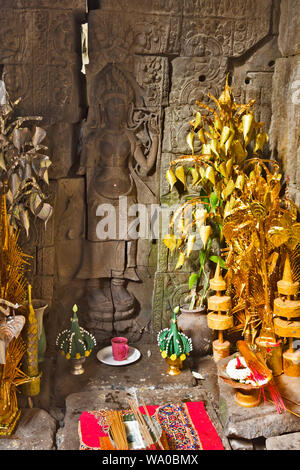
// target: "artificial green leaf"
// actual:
[[214, 201], [226, 132], [201, 136], [195, 175], [38, 136], [190, 140], [228, 190], [190, 244], [210, 174], [193, 279], [45, 213], [171, 178]]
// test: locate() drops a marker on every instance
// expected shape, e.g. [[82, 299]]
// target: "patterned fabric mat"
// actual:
[[186, 426]]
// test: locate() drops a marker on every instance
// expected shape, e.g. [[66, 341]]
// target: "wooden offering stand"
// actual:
[[217, 320], [287, 321], [246, 395]]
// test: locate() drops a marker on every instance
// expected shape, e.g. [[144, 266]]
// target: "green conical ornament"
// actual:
[[75, 342], [172, 343]]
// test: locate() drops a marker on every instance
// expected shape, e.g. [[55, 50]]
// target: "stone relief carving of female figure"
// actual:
[[110, 151]]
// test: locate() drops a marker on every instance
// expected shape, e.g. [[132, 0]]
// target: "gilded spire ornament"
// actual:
[[287, 320], [219, 318]]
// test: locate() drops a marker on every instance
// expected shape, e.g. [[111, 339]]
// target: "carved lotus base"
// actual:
[[77, 366]]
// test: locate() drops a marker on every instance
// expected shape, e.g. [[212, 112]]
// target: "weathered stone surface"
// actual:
[[284, 132], [35, 431], [285, 442], [133, 6], [289, 28], [263, 420], [117, 37]]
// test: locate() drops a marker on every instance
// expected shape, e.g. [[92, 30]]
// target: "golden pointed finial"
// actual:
[[286, 286], [218, 283]]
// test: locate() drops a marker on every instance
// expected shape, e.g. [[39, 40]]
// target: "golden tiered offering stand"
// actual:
[[287, 321]]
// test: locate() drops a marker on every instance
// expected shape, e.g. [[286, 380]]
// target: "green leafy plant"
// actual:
[[23, 165], [75, 342]]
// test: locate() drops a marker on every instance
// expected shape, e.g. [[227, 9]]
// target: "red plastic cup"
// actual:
[[120, 348]]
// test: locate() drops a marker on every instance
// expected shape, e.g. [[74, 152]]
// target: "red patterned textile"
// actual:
[[186, 426]]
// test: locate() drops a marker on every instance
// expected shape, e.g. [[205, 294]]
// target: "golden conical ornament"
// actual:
[[286, 286]]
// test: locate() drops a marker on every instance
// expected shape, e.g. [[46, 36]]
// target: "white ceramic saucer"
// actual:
[[105, 356]]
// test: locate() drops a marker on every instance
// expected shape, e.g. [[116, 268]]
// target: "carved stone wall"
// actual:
[[169, 53], [40, 55], [285, 127]]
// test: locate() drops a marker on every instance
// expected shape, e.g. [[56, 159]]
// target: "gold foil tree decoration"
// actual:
[[259, 229], [220, 318]]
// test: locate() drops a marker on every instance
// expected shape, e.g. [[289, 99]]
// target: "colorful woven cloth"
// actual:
[[186, 426]]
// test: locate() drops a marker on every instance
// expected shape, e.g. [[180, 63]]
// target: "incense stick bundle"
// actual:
[[118, 430]]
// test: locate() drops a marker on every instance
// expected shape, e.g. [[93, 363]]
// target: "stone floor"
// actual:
[[52, 423]]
